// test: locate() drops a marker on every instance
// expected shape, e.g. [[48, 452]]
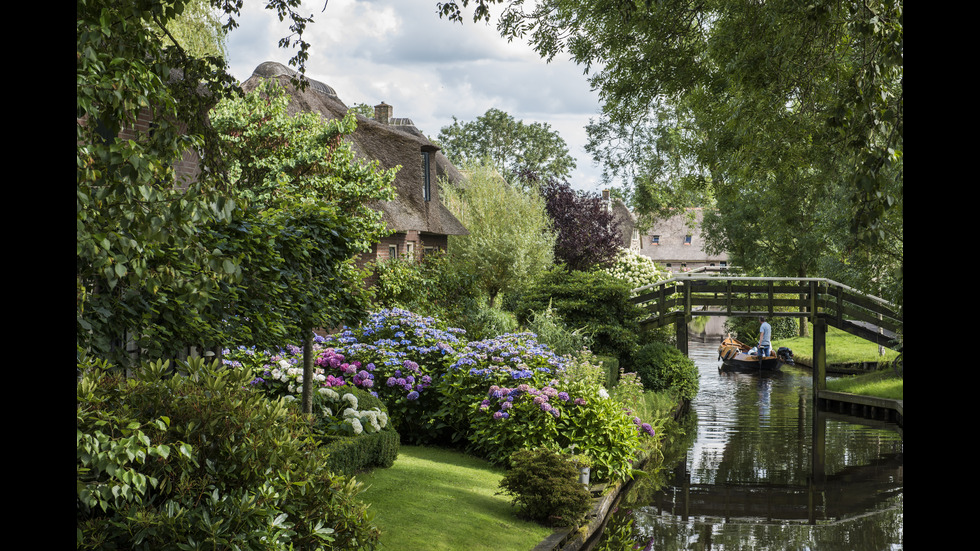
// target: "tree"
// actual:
[[145, 270], [510, 239], [740, 80], [587, 233], [512, 147], [300, 186]]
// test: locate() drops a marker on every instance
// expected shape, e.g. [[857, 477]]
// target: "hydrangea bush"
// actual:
[[572, 410], [636, 269], [406, 353], [280, 374], [493, 396], [343, 415]]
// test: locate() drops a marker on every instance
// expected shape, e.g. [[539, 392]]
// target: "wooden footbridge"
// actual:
[[823, 302]]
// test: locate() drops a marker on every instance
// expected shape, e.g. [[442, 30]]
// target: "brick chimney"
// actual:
[[382, 113]]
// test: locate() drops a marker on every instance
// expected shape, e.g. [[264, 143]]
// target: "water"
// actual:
[[756, 473]]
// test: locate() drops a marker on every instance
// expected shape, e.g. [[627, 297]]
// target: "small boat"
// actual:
[[736, 355]]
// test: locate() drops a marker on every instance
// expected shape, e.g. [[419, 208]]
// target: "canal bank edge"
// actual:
[[606, 497], [866, 407]]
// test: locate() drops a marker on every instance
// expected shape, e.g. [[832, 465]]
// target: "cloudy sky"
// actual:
[[429, 69]]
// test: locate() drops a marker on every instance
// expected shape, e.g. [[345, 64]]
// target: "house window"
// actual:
[[426, 180], [687, 239], [410, 250], [654, 239], [392, 251]]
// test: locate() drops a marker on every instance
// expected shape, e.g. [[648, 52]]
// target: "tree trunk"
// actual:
[[308, 372]]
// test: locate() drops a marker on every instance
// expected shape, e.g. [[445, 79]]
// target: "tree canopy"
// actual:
[[587, 234], [514, 148], [510, 239], [160, 258], [704, 99]]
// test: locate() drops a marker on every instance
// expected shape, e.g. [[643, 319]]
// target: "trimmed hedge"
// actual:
[[350, 455]]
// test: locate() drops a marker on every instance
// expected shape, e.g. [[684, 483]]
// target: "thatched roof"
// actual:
[[389, 144]]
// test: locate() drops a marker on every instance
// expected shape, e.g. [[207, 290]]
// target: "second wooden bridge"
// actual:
[[823, 302]]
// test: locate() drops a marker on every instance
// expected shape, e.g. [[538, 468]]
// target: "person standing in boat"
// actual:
[[765, 336]]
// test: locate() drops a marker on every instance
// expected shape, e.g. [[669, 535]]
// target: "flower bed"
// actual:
[[492, 397]]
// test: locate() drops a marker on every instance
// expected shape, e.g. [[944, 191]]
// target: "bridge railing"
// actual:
[[678, 299]]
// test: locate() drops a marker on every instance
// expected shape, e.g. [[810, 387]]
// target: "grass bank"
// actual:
[[844, 348], [434, 499]]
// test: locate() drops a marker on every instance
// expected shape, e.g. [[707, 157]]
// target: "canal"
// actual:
[[759, 469]]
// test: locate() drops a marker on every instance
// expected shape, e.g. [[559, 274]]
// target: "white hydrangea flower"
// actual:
[[354, 422], [352, 399], [330, 393]]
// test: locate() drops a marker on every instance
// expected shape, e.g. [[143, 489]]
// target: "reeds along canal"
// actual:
[[760, 469]]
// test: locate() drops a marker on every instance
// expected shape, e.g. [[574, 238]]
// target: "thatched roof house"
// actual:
[[418, 219]]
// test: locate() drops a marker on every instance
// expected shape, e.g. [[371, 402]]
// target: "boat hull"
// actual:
[[749, 363], [737, 356]]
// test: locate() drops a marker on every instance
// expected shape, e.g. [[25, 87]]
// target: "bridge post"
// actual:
[[819, 356], [680, 329], [681, 318]]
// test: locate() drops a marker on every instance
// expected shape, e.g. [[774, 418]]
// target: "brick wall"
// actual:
[[187, 168], [401, 244]]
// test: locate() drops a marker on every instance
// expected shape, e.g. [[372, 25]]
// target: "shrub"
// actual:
[[406, 352], [545, 488], [635, 269], [552, 331], [354, 430], [662, 367], [561, 410], [508, 359], [167, 460], [595, 301], [430, 286]]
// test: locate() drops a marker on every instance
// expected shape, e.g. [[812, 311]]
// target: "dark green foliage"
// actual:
[[168, 460], [595, 301], [430, 286], [545, 488], [747, 329], [662, 367]]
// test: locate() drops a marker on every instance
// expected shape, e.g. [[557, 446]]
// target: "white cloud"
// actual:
[[430, 69]]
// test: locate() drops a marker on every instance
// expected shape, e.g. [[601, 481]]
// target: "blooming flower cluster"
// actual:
[[636, 269], [411, 380], [547, 399], [513, 355], [405, 350], [643, 428], [351, 419], [331, 360]]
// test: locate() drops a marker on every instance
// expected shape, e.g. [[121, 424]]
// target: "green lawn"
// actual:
[[433, 499], [843, 348]]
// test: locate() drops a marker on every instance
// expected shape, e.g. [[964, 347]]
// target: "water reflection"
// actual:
[[760, 470]]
